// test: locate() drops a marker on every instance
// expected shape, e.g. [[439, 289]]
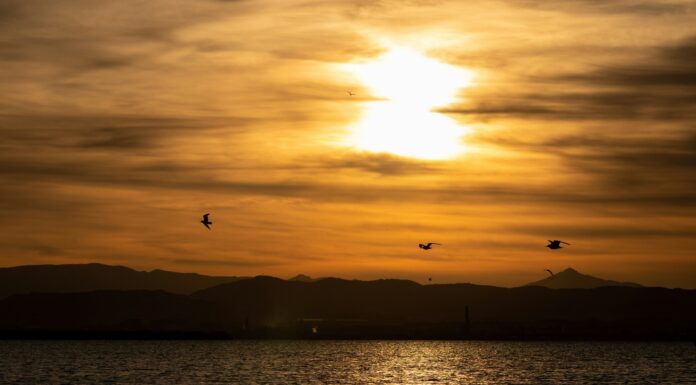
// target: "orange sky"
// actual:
[[492, 127]]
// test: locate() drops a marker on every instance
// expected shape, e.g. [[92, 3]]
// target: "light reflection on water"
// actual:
[[344, 362]]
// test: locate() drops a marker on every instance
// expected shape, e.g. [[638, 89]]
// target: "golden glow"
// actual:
[[402, 123]]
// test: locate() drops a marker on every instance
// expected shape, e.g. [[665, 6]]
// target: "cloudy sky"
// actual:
[[487, 126]]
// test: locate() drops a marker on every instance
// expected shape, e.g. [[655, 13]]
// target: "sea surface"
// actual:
[[345, 362]]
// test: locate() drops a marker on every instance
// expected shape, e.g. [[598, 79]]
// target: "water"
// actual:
[[345, 362]]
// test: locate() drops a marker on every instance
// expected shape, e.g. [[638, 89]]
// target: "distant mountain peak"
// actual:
[[302, 278], [573, 279]]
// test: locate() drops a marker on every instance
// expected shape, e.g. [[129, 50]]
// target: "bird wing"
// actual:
[[205, 217], [550, 272], [433, 243], [205, 224], [564, 242]]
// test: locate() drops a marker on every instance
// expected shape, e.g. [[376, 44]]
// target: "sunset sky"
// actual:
[[487, 126]]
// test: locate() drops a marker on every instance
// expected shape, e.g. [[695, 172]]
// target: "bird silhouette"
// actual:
[[206, 222], [430, 279], [427, 246], [556, 244], [350, 93], [550, 272]]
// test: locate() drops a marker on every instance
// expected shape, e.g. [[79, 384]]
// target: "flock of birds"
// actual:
[[553, 244]]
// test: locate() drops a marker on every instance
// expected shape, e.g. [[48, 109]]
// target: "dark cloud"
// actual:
[[639, 172], [682, 53], [606, 231], [43, 249], [119, 138], [52, 42], [378, 163], [71, 53], [105, 173], [669, 157], [256, 262], [584, 106], [660, 87], [637, 7], [103, 132], [9, 11], [639, 135], [671, 68], [19, 196]]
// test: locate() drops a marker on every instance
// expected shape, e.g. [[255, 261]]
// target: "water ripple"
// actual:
[[344, 362]]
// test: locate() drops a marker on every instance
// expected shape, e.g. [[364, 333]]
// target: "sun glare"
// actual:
[[403, 123]]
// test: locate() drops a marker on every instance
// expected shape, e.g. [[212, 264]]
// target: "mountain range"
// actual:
[[95, 276], [268, 307]]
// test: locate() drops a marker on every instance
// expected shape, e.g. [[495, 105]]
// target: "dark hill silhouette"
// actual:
[[572, 279], [268, 307], [105, 314], [94, 276], [390, 308], [103, 309]]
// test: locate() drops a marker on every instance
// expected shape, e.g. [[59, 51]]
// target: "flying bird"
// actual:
[[556, 244], [350, 93], [428, 246], [550, 272], [430, 279], [206, 222]]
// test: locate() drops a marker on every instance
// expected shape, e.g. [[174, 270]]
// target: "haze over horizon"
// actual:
[[488, 127]]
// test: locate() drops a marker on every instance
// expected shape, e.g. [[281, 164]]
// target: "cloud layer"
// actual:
[[121, 123]]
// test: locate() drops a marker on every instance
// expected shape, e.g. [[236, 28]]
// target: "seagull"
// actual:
[[428, 246], [550, 272], [556, 244], [206, 222]]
